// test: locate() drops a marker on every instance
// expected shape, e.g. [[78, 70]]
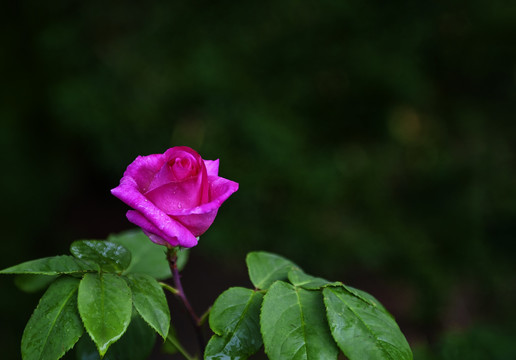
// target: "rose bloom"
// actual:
[[175, 195]]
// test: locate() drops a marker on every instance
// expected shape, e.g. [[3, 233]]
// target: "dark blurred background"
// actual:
[[373, 143]]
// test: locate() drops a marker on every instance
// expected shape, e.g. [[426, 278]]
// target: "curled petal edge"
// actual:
[[128, 193], [160, 237]]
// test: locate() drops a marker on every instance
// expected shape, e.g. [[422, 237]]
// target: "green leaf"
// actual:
[[55, 325], [110, 256], [234, 319], [55, 265], [150, 301], [146, 257], [105, 305], [265, 268], [33, 282], [368, 298], [363, 331], [298, 278], [136, 343], [294, 326]]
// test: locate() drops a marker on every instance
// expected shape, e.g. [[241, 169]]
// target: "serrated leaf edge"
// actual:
[[55, 272], [260, 285], [379, 341], [127, 280], [230, 335], [112, 340], [55, 320], [266, 349], [117, 266], [303, 285]]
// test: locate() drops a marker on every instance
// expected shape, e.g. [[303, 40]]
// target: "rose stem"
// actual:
[[172, 260]]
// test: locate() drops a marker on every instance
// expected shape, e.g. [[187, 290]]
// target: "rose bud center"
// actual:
[[183, 167]]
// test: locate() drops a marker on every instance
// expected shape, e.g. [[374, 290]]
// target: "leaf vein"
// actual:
[[59, 314], [231, 334], [378, 340]]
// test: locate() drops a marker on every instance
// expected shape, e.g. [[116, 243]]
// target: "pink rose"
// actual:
[[175, 195]]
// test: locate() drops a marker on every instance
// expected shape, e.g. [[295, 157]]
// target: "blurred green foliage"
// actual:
[[373, 141]]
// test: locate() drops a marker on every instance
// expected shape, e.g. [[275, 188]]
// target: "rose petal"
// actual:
[[128, 193], [197, 223], [184, 152], [212, 167], [149, 229], [182, 237], [220, 190], [143, 170], [177, 196], [200, 218], [155, 238]]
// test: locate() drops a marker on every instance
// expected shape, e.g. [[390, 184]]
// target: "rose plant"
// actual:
[[113, 289]]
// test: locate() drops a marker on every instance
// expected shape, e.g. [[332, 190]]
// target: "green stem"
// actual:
[[169, 288], [204, 316], [174, 341]]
